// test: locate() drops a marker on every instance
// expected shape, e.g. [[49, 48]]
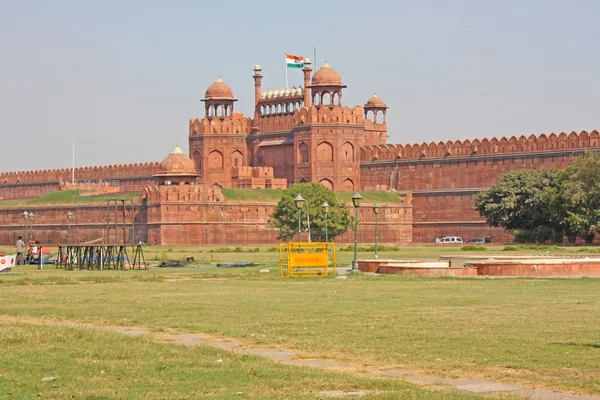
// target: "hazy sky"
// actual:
[[122, 78]]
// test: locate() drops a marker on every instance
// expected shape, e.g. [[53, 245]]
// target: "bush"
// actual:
[[272, 249], [530, 247], [471, 247]]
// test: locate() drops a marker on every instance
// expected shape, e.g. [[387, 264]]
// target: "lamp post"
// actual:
[[356, 199], [299, 200], [25, 222], [326, 211], [31, 225], [376, 208], [69, 219]]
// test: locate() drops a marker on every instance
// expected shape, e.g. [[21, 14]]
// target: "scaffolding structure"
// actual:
[[99, 257]]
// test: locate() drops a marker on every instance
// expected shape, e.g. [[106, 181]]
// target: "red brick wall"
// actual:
[[89, 223]]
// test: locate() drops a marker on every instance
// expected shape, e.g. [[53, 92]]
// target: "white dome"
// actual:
[[263, 95], [269, 94], [299, 91], [287, 92]]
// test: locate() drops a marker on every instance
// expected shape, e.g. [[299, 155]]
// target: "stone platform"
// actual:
[[572, 266]]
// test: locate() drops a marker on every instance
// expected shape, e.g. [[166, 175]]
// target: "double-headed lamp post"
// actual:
[[356, 199], [69, 219], [25, 223], [31, 224], [376, 208], [299, 200], [326, 211]]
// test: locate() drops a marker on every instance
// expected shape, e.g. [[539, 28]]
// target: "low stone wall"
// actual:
[[578, 268], [526, 267]]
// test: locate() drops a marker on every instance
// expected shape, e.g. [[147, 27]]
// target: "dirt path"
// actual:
[[477, 386]]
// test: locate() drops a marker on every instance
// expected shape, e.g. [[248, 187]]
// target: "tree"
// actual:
[[285, 216], [579, 198], [525, 201]]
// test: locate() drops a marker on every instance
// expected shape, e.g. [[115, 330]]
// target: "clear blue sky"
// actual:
[[122, 78]]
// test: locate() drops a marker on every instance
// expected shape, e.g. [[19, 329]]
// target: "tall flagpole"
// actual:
[[286, 68], [73, 167]]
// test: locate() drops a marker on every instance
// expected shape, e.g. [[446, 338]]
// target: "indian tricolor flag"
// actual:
[[294, 61]]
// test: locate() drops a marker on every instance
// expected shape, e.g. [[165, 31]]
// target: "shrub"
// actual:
[[471, 247]]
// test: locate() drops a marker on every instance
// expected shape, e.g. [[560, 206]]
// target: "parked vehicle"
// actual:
[[450, 239], [476, 241], [487, 239]]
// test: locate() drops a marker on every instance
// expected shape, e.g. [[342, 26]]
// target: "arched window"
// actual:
[[215, 159], [303, 150], [325, 152], [197, 159], [327, 183], [348, 185], [348, 152], [237, 158]]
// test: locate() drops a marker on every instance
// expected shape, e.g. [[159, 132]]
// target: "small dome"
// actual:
[[263, 95], [177, 164], [287, 92], [326, 76], [218, 90], [307, 61], [257, 67], [299, 91], [270, 94], [375, 101]]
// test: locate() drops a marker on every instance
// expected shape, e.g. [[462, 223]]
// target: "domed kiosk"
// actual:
[[177, 169], [218, 100], [326, 86], [375, 105]]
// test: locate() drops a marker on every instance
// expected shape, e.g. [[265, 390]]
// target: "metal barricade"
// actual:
[[307, 259]]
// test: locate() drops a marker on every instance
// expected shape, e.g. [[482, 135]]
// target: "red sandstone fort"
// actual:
[[295, 135]]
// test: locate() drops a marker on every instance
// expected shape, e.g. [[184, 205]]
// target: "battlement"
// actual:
[[235, 124], [504, 145], [182, 193], [81, 173], [254, 172]]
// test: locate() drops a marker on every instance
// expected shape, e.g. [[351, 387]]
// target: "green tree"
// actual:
[[285, 216], [579, 197], [526, 202]]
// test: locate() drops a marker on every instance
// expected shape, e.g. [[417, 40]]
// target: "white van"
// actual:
[[451, 239]]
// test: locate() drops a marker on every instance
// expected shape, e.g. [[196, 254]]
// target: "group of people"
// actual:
[[27, 252]]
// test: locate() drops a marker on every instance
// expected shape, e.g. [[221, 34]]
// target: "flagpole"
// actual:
[[286, 77], [73, 167]]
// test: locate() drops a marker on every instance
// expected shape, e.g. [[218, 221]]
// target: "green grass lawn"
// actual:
[[104, 365], [536, 332], [250, 195], [274, 195], [66, 197]]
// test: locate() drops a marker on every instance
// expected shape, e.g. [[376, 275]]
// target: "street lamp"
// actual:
[[31, 225], [376, 208], [326, 211], [299, 200], [25, 222], [69, 219], [356, 199]]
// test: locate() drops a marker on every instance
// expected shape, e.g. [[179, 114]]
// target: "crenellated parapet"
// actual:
[[81, 173], [458, 148], [236, 124], [182, 193], [328, 115]]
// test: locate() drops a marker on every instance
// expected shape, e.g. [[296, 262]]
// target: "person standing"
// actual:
[[20, 250]]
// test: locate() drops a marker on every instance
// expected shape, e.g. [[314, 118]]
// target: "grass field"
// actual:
[[537, 332], [274, 195], [65, 197], [253, 195]]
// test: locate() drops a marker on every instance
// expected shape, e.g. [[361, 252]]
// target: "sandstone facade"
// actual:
[[301, 134]]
